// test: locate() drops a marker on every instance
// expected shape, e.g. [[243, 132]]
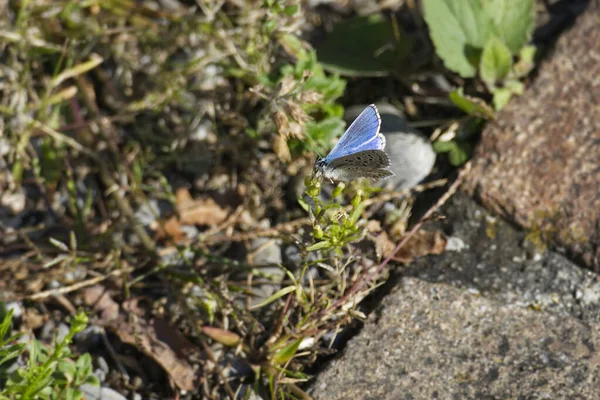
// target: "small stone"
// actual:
[[455, 244], [62, 331], [89, 337], [92, 392], [17, 309], [14, 201]]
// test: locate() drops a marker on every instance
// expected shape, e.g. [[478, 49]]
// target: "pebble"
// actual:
[[17, 309], [92, 392]]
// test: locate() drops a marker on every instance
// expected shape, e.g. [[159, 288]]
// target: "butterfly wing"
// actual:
[[370, 164], [363, 134], [349, 173], [365, 159]]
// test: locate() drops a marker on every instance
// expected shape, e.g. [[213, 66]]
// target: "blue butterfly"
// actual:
[[359, 153]]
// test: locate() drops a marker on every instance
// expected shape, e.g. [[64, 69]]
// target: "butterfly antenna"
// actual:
[[312, 148]]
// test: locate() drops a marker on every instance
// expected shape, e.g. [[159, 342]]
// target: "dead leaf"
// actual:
[[199, 211], [99, 298], [145, 337], [170, 228], [281, 148], [383, 245], [421, 244]]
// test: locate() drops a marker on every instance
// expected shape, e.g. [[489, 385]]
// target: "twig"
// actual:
[[368, 274], [74, 287]]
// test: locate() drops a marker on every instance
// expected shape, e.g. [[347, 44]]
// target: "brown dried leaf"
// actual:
[[421, 244], [280, 147], [200, 211], [171, 228], [99, 298], [162, 343]]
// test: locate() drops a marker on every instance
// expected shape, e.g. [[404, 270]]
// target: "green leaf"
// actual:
[[501, 98], [355, 214], [459, 30], [6, 324], [11, 352], [83, 366], [293, 45], [319, 246], [286, 353], [291, 10], [92, 380], [441, 146], [303, 204], [514, 20], [275, 296], [496, 62], [515, 87], [364, 46], [526, 61], [471, 105], [460, 153], [323, 132], [67, 368]]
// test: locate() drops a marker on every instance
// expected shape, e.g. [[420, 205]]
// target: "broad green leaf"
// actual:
[[460, 153], [286, 353], [67, 368], [459, 30], [515, 87], [73, 394], [514, 20], [501, 98], [83, 365], [275, 296], [442, 146], [364, 46], [526, 61], [303, 204], [496, 62], [471, 105]]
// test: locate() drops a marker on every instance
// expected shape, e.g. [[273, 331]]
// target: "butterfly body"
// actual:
[[359, 153]]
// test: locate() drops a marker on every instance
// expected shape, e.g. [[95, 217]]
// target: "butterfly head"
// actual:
[[319, 167], [320, 163]]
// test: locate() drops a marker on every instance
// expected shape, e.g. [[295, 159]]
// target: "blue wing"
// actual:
[[363, 134]]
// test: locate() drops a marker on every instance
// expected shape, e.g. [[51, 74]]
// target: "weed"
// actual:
[[50, 373]]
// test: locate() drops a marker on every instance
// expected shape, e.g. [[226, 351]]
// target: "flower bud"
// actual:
[[317, 232], [357, 198], [338, 189]]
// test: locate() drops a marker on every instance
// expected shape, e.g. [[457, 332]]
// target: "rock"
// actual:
[[92, 392], [431, 341], [540, 168], [62, 331], [411, 154], [17, 309], [494, 318], [498, 261]]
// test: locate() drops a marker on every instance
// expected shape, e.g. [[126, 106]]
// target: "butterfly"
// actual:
[[359, 153]]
